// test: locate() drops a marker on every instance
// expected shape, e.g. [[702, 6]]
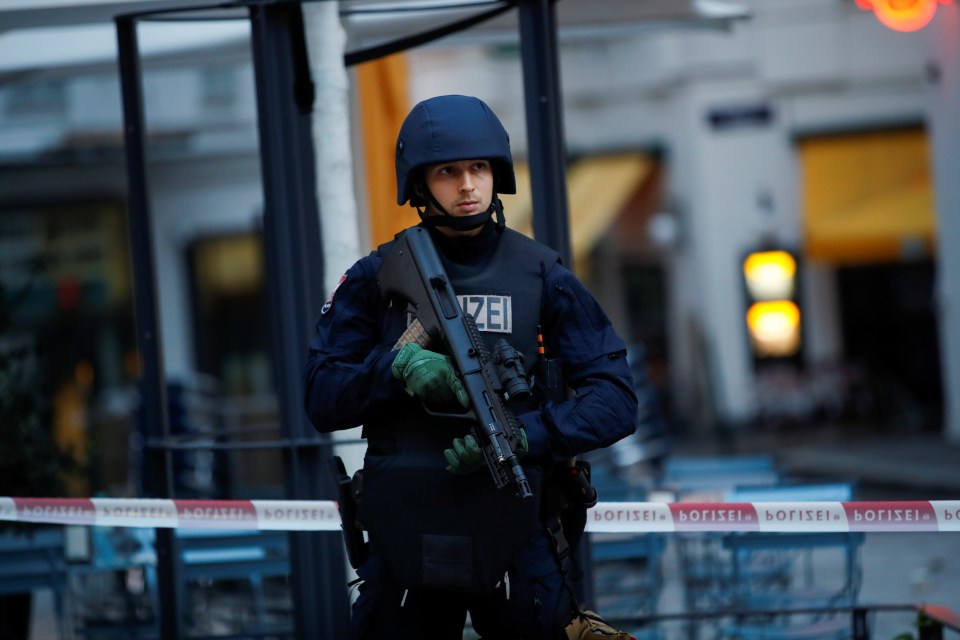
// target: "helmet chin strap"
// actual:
[[462, 223]]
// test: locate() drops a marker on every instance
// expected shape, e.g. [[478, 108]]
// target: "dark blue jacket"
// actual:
[[348, 381]]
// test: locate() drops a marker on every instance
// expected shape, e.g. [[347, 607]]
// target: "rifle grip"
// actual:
[[415, 333]]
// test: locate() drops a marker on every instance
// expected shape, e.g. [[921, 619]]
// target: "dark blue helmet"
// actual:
[[448, 128]]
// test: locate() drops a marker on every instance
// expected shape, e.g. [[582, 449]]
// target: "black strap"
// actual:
[[559, 544], [564, 554]]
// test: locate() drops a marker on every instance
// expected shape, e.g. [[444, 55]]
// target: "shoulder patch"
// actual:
[[329, 303]]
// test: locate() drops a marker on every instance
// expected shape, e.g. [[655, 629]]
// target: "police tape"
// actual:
[[605, 517]]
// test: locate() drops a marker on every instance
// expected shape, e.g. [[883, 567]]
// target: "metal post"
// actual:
[[547, 151], [933, 631], [545, 139], [157, 472], [861, 628], [294, 260]]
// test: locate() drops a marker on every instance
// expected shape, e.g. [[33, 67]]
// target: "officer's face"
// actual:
[[463, 188]]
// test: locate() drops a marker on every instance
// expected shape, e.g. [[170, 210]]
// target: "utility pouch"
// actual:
[[548, 382], [578, 496], [348, 500], [579, 488]]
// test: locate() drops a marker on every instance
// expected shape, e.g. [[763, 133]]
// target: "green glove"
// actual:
[[428, 375], [467, 457]]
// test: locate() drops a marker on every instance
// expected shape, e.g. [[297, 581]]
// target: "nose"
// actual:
[[466, 182]]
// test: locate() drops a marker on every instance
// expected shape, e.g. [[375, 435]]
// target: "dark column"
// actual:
[[294, 261], [545, 140], [547, 151], [157, 472]]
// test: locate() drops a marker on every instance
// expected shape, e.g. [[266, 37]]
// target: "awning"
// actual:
[[598, 189], [867, 197], [372, 22]]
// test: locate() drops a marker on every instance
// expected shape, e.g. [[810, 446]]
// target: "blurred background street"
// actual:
[[761, 194]]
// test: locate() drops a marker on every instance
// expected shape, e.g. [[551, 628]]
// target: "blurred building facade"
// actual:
[[807, 127]]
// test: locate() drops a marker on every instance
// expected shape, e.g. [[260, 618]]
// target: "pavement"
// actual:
[[921, 464], [910, 465]]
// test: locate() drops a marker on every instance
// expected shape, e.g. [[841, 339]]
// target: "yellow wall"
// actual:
[[384, 103]]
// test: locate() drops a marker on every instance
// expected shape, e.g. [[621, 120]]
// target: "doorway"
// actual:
[[890, 336]]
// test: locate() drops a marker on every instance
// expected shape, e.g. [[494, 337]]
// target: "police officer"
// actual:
[[443, 541]]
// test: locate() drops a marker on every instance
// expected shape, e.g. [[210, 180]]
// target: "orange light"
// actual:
[[770, 275], [903, 15], [774, 328]]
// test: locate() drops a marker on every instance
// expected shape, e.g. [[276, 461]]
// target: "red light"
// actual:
[[903, 15]]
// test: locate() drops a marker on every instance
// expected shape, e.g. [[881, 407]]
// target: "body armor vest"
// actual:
[[432, 528]]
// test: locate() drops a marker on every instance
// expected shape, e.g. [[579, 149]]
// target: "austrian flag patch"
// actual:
[[329, 303]]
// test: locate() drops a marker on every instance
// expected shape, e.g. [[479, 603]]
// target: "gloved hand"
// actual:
[[428, 375], [466, 456]]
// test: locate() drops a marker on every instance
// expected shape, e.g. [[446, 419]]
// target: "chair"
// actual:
[[706, 478], [613, 487], [626, 567], [211, 565], [770, 571], [698, 465], [33, 560], [704, 564], [209, 557], [113, 590], [628, 578], [825, 575], [825, 492]]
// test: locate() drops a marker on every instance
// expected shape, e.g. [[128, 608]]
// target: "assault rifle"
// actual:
[[412, 272]]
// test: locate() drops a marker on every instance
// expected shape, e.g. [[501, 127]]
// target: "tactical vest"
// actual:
[[432, 528]]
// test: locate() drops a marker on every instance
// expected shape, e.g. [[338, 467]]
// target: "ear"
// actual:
[[420, 193], [418, 183]]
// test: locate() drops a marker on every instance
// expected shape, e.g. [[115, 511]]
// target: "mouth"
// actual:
[[467, 206]]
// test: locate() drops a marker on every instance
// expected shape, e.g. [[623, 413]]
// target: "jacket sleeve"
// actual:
[[347, 377], [604, 406]]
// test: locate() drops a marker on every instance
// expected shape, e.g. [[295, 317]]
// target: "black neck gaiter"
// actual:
[[472, 252]]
